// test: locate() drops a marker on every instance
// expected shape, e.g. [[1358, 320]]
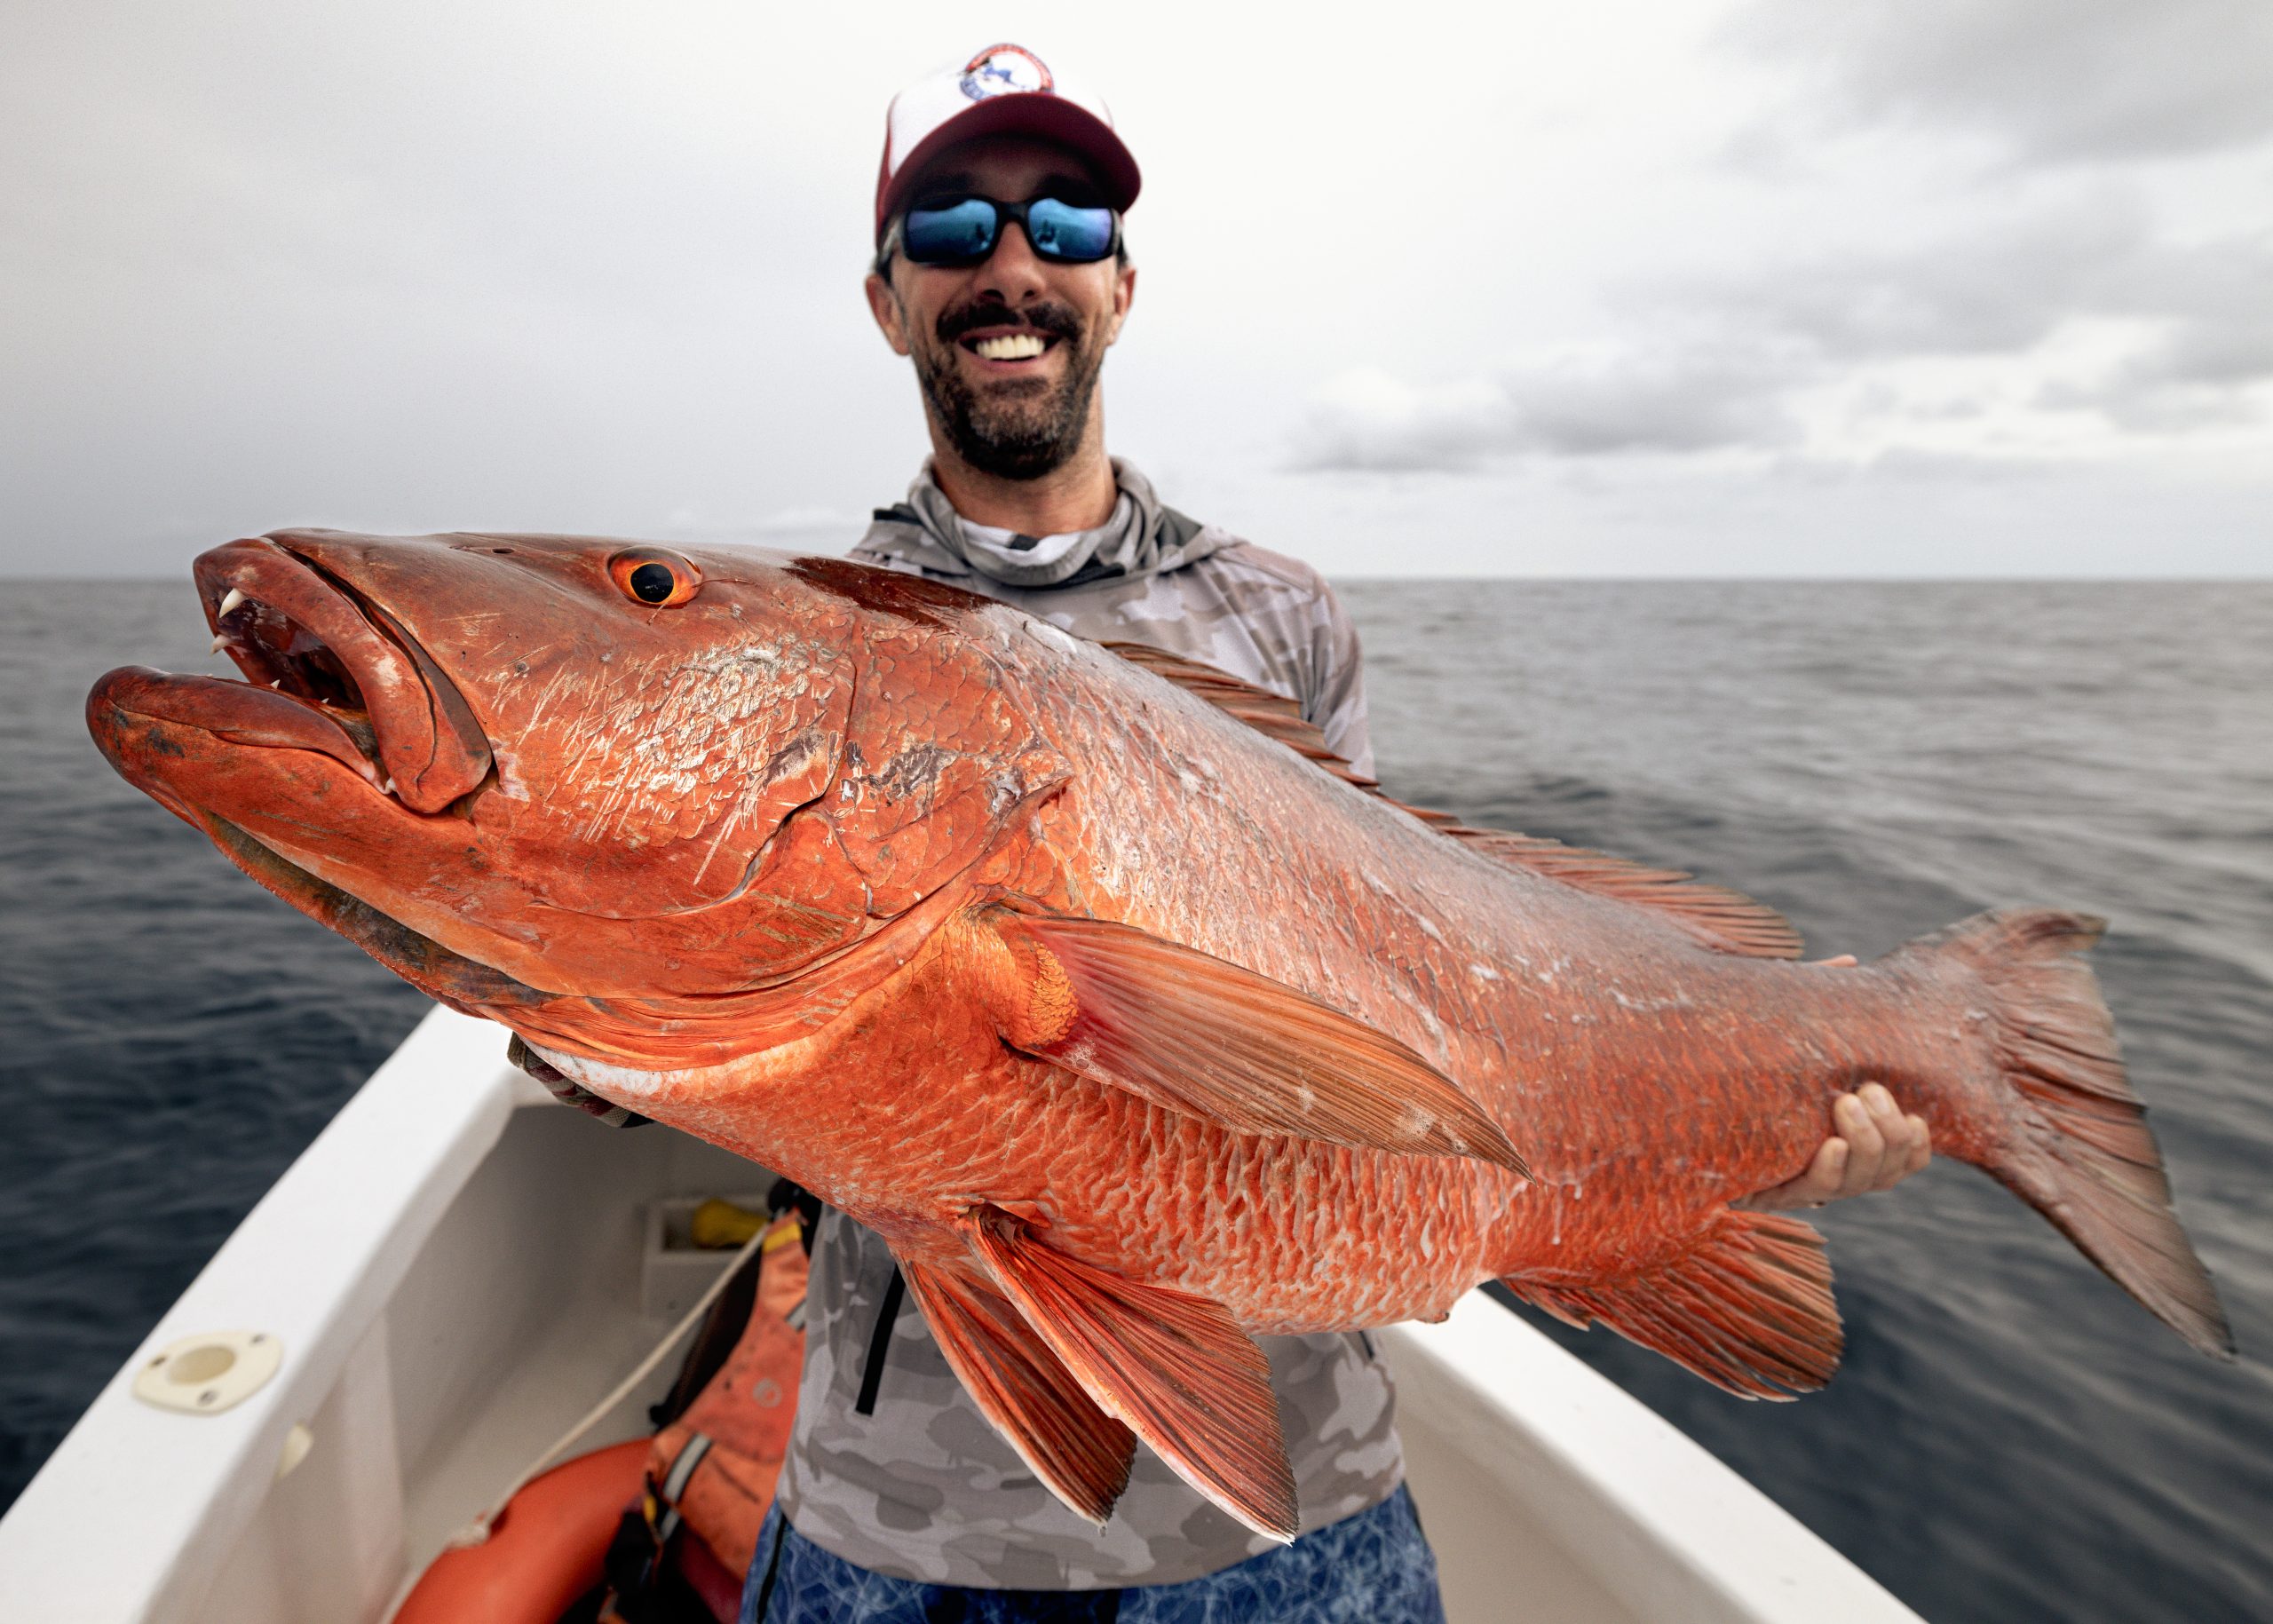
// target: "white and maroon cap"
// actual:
[[1005, 89]]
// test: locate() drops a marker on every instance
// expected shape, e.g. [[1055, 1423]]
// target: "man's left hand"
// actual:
[[1875, 1148]]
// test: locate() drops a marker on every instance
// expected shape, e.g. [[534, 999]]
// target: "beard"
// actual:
[[1019, 428]]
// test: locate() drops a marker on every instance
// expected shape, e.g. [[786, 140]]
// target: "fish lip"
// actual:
[[235, 712], [296, 629]]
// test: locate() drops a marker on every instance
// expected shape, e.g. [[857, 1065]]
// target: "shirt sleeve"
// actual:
[[1337, 702]]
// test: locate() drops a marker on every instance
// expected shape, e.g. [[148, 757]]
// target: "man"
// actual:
[[1002, 274]]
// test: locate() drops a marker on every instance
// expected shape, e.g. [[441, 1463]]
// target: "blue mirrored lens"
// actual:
[[1061, 231], [959, 231]]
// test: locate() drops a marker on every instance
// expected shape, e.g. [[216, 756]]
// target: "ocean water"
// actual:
[[2010, 1439]]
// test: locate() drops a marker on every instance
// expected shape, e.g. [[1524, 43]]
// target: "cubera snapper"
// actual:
[[1133, 1020]]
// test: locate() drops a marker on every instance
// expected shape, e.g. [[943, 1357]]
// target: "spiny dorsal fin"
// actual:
[[1264, 711], [1723, 920]]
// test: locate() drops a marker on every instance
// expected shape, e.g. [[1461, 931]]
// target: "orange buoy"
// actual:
[[544, 1550]]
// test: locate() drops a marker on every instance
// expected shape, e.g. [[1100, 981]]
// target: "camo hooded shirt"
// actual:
[[891, 1466]]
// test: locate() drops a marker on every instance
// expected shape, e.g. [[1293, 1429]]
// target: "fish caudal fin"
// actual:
[[1748, 1306], [2077, 1146], [1175, 1368], [1079, 1452]]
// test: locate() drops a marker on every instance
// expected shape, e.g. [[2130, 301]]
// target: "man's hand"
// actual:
[[1875, 1148]]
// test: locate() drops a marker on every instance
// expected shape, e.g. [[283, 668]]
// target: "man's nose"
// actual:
[[1013, 273]]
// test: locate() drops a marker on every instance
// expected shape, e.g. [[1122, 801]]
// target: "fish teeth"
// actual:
[[236, 595], [220, 642], [1010, 346]]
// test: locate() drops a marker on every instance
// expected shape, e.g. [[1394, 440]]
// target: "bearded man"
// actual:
[[1002, 272]]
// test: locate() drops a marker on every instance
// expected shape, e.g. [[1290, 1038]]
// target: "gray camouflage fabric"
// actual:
[[1192, 588], [924, 1488], [1140, 537]]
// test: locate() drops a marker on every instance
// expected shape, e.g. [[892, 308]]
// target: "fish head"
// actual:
[[523, 768]]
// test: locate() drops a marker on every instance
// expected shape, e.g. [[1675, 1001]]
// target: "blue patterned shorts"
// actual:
[[1372, 1568]]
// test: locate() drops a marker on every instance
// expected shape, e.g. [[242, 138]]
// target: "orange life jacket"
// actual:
[[713, 1467]]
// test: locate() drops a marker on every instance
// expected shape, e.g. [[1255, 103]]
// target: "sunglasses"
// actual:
[[964, 230]]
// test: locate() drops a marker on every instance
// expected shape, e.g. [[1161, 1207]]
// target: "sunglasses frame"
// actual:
[[1005, 214]]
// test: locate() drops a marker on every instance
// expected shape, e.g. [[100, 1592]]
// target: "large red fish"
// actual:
[[1088, 979]]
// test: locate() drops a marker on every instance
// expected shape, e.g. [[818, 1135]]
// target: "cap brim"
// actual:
[[1045, 118]]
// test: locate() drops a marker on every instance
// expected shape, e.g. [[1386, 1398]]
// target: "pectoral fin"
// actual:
[[1177, 1368], [1204, 1037], [1078, 1451]]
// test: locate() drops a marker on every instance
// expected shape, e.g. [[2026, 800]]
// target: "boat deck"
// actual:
[[457, 1269]]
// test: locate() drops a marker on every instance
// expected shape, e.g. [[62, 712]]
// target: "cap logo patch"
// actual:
[[1005, 70]]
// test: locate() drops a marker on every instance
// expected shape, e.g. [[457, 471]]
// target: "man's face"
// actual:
[[1013, 413]]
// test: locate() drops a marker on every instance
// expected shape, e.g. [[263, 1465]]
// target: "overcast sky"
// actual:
[[1772, 287]]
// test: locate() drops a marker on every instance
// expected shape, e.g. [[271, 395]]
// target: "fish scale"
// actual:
[[1133, 1020]]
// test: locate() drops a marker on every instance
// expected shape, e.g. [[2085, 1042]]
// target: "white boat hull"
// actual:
[[454, 1271]]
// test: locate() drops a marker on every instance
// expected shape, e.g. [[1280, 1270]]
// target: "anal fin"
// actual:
[[1748, 1307], [1177, 1368], [1079, 1452]]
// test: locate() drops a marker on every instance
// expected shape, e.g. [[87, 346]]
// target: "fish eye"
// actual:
[[652, 578]]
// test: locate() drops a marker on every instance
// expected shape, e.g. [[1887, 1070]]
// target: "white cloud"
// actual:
[[2058, 81], [2069, 332], [1604, 401]]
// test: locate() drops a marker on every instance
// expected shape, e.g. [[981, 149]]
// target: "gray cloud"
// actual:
[[1580, 404], [2054, 80], [1719, 363]]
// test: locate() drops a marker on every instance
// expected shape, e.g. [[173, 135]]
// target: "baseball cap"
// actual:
[[1005, 89]]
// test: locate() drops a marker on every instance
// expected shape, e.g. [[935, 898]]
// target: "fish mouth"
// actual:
[[324, 669]]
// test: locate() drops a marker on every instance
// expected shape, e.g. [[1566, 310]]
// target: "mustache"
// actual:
[[1047, 316]]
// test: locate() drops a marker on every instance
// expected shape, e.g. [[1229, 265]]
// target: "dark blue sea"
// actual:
[[2010, 1439]]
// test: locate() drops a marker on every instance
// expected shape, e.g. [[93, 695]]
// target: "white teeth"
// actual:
[[1010, 346], [279, 682], [388, 788], [235, 597], [220, 642]]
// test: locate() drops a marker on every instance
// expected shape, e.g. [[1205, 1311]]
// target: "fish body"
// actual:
[[1134, 1023]]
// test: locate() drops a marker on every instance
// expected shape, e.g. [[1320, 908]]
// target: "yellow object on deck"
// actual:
[[718, 1223]]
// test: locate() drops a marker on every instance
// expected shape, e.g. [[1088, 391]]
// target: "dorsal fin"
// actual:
[[1721, 919], [1726, 921], [1264, 711]]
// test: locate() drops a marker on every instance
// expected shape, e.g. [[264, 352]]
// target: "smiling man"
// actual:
[[1001, 272]]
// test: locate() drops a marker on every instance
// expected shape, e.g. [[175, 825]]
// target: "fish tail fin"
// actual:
[[2075, 1143]]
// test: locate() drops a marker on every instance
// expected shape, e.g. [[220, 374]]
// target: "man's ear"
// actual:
[[1124, 295], [884, 305]]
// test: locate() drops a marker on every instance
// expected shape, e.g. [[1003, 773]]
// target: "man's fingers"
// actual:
[[1922, 1145], [1859, 1125], [1896, 1132], [1825, 1172], [1874, 1147]]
